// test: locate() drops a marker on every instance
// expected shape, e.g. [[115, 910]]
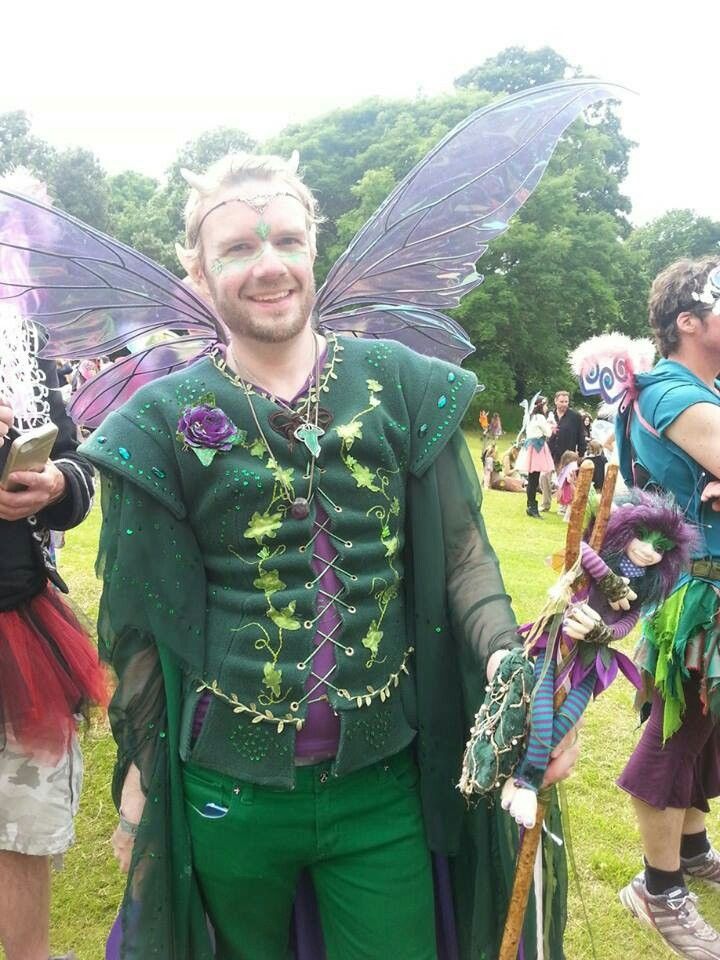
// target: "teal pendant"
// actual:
[[309, 434]]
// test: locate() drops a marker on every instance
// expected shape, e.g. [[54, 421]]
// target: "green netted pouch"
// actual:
[[497, 737]]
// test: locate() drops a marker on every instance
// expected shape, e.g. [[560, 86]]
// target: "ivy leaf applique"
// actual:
[[374, 386], [272, 678], [372, 638], [263, 525], [269, 582], [257, 449], [391, 546], [350, 432], [284, 618], [363, 476], [205, 455]]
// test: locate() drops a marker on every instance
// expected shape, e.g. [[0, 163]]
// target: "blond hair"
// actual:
[[234, 169]]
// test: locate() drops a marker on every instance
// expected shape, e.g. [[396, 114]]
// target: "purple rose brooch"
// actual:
[[206, 430]]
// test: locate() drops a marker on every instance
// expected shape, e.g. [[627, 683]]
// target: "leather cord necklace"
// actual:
[[308, 432]]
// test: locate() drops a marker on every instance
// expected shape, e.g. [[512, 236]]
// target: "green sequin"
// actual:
[[124, 453], [442, 400]]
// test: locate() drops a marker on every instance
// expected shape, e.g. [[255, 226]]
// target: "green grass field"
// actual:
[[605, 841]]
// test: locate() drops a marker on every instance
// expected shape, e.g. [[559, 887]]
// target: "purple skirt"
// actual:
[[683, 773]]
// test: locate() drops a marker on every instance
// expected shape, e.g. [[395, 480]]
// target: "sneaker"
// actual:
[[675, 917], [705, 867]]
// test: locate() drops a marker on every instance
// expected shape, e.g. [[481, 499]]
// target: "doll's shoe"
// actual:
[[674, 916], [705, 867]]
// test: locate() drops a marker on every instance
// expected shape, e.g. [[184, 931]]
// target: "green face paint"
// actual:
[[262, 230]]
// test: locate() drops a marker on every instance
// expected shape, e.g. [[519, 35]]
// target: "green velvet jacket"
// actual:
[[208, 587]]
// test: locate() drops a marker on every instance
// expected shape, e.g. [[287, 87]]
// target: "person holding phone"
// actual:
[[49, 670]]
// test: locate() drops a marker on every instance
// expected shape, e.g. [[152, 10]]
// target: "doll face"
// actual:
[[642, 553]]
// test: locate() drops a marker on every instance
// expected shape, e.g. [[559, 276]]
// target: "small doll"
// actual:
[[567, 473], [646, 545]]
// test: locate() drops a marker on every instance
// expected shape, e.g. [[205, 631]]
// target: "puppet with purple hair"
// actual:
[[646, 545]]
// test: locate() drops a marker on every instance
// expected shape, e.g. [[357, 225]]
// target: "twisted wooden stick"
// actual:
[[531, 838]]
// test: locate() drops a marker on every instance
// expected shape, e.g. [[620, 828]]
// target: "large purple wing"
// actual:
[[116, 384], [425, 331], [91, 294], [421, 246]]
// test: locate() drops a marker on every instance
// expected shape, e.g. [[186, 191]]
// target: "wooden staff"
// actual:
[[531, 838]]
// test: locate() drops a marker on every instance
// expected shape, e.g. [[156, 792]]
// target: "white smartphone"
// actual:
[[30, 451]]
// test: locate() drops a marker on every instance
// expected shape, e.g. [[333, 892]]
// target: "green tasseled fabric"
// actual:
[[688, 614]]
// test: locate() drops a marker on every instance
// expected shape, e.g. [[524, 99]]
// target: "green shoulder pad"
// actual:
[[438, 395], [122, 447]]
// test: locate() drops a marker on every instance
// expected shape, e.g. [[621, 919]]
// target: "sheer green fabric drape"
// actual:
[[151, 629]]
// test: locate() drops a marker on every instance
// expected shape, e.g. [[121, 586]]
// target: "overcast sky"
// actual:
[[133, 81]]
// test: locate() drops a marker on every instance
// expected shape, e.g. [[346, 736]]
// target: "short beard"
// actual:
[[241, 323]]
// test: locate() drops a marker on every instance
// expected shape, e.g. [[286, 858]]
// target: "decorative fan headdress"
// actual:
[[606, 366]]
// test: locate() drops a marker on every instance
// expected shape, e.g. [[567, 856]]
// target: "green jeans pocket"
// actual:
[[403, 769], [205, 793]]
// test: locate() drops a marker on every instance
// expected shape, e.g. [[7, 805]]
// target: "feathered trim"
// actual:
[[607, 365]]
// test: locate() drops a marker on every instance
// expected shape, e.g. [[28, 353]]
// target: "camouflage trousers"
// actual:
[[38, 800]]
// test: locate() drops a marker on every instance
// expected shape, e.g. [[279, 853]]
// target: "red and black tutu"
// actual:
[[49, 672]]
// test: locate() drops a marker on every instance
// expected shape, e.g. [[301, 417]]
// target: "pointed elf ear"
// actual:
[[189, 260]]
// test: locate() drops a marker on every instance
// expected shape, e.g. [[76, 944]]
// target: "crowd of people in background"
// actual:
[[545, 458]]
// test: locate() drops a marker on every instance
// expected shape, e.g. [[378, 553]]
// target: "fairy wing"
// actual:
[[113, 386], [419, 250], [425, 331], [92, 295]]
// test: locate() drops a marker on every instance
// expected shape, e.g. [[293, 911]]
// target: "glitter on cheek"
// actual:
[[296, 256]]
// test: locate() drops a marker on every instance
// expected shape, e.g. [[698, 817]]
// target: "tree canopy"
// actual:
[[569, 266]]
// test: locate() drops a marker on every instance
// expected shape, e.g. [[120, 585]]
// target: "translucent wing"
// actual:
[[90, 293], [425, 331], [421, 246], [118, 382]]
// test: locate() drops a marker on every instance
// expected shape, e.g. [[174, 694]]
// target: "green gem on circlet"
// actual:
[[309, 434]]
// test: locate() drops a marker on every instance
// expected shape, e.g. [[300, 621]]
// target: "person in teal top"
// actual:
[[669, 437]]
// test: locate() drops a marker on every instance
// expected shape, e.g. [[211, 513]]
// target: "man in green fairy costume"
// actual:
[[302, 606]]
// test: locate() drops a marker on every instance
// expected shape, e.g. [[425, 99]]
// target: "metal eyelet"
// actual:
[[349, 651], [301, 665], [309, 585], [308, 624], [348, 544], [302, 549], [338, 509], [352, 610], [294, 706], [353, 577]]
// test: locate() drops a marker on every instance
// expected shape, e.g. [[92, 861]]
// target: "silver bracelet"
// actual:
[[128, 827]]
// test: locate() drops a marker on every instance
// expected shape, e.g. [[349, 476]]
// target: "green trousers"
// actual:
[[360, 836]]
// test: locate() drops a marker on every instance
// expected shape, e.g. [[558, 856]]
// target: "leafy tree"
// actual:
[[676, 234], [515, 69], [20, 148], [78, 185]]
